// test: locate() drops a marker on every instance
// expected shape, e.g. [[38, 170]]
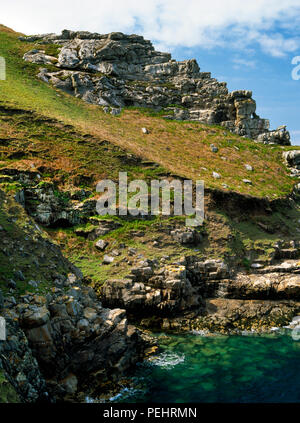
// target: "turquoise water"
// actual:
[[244, 369]]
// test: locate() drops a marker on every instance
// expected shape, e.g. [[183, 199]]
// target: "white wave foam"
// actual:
[[200, 332], [168, 360], [125, 393]]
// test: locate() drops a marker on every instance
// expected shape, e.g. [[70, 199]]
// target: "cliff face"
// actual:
[[59, 338], [117, 70]]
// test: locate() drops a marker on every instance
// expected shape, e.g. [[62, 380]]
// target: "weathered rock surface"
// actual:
[[234, 315], [65, 340], [279, 136], [186, 236], [52, 207], [101, 244], [117, 70], [20, 366], [59, 341], [270, 285], [207, 295], [292, 160], [165, 292], [168, 290]]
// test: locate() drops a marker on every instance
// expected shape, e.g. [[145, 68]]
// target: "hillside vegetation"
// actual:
[[72, 145], [181, 148]]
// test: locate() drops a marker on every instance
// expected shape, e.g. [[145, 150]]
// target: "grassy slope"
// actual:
[[67, 157], [76, 155], [71, 159], [181, 148]]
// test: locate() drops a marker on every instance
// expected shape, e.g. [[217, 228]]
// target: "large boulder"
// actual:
[[280, 136], [292, 158]]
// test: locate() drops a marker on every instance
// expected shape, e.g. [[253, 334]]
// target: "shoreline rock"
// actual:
[[66, 339], [207, 295], [59, 336]]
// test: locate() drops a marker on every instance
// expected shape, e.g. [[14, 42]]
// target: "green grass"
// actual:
[[249, 241], [136, 233], [7, 393]]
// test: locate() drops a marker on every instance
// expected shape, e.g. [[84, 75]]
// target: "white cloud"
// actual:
[[243, 63], [170, 23], [295, 137], [277, 45]]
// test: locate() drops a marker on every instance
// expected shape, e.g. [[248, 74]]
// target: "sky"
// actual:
[[251, 45]]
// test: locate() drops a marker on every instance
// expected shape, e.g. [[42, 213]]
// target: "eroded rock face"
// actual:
[[39, 56], [273, 286], [20, 366], [164, 291], [175, 288], [198, 295], [67, 339], [234, 315], [49, 206], [59, 337], [117, 70], [292, 158]]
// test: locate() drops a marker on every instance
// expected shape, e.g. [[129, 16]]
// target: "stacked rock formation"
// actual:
[[207, 295], [117, 70]]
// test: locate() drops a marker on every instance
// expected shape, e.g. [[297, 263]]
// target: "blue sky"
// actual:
[[248, 45]]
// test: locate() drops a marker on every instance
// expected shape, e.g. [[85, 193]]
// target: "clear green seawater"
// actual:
[[243, 369]]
